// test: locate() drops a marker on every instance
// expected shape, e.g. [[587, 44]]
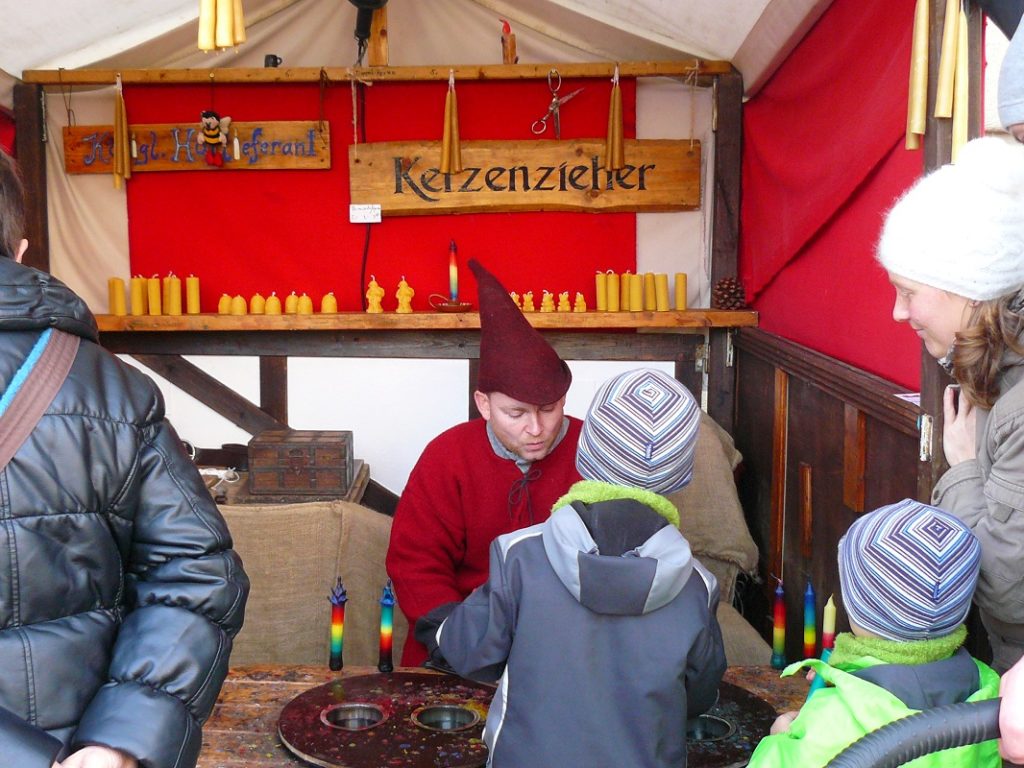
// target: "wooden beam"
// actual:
[[377, 48], [68, 77], [274, 387], [30, 144], [780, 446], [210, 392], [854, 457]]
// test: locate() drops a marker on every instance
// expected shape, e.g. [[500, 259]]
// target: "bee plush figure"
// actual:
[[213, 138]]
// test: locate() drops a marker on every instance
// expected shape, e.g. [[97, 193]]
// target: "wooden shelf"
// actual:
[[682, 68], [428, 321]]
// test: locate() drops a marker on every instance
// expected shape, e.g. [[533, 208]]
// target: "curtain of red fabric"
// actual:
[[823, 160]]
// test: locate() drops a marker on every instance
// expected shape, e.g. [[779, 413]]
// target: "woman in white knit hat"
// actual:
[[953, 246]]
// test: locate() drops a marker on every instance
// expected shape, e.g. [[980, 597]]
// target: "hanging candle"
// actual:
[[338, 600], [387, 612], [810, 623], [779, 628]]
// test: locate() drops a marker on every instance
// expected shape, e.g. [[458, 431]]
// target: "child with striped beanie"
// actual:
[[599, 623], [907, 572]]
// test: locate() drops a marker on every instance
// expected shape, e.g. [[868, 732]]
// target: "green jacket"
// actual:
[[836, 716]]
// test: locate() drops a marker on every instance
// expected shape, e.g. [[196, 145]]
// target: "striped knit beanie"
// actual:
[[640, 431], [908, 570]]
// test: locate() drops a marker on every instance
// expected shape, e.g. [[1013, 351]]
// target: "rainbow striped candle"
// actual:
[[338, 600], [387, 614], [453, 273], [810, 623], [779, 629]]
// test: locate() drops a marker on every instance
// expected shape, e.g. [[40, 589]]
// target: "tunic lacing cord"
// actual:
[[519, 490]]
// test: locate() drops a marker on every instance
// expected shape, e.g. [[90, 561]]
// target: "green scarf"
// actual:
[[850, 647], [589, 491]]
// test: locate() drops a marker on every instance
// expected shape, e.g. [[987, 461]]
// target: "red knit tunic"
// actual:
[[459, 497]]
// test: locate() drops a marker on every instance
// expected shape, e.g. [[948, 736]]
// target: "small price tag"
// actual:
[[364, 213]]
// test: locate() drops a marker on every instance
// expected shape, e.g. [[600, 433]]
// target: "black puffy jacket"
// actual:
[[119, 590]]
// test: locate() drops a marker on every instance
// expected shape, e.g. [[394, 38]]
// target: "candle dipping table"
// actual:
[[244, 727]]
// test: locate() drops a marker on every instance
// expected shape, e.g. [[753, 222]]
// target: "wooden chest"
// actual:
[[300, 462]]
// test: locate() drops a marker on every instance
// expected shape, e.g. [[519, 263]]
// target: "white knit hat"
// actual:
[[961, 227]]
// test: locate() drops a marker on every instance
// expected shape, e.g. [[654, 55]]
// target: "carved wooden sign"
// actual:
[[260, 146], [540, 175]]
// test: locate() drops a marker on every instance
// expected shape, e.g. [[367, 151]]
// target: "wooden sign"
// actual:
[[261, 147], [541, 175]]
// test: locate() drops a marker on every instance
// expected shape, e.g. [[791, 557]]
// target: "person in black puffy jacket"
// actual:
[[119, 590]]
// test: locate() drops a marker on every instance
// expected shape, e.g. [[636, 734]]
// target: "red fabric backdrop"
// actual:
[[6, 132], [823, 160], [248, 231]]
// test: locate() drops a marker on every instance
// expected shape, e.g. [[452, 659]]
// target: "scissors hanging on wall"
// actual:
[[540, 125]]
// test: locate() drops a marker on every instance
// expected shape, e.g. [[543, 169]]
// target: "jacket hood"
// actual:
[[32, 299], [630, 582]]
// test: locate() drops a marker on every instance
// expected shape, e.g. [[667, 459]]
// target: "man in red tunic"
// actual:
[[490, 475]]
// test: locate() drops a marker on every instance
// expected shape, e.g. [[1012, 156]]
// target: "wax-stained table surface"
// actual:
[[242, 731]]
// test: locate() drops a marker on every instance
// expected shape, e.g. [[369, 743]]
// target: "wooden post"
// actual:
[[274, 387], [728, 95], [377, 48], [30, 145]]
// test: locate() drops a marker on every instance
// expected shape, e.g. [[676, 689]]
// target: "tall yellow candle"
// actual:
[[291, 303], [680, 290], [192, 295], [304, 306], [165, 292], [650, 300], [601, 291], [138, 289], [624, 288], [115, 296], [172, 304], [153, 291], [238, 305], [612, 299], [328, 304], [636, 293], [224, 305], [257, 304], [661, 292], [273, 305]]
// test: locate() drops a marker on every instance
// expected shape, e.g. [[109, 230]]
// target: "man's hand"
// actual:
[[959, 430], [98, 757]]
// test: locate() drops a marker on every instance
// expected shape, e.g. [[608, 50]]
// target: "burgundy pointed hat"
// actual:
[[514, 358]]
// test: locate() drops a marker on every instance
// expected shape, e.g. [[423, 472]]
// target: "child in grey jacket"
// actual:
[[599, 624]]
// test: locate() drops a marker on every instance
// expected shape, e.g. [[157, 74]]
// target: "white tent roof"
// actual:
[[753, 34]]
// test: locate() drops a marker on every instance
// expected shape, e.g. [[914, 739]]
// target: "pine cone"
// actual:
[[728, 294]]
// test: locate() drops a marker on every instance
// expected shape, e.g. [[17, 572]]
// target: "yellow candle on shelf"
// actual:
[[257, 304], [601, 291], [304, 306], [192, 295], [239, 305], [291, 303], [680, 290], [138, 289], [661, 292], [172, 303], [115, 296], [624, 289], [636, 293], [612, 297], [650, 298], [224, 305], [328, 304], [273, 305], [153, 290], [579, 303], [165, 292]]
